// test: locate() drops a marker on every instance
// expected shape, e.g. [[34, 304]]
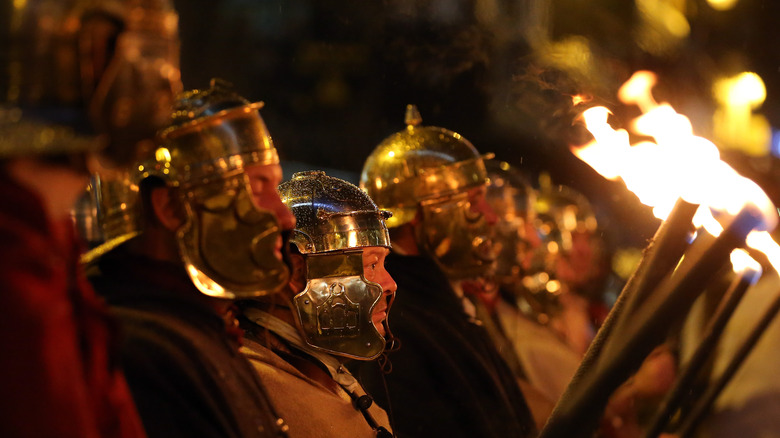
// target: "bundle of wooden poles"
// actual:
[[674, 271]]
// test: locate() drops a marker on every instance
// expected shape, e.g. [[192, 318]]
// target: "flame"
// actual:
[[579, 98], [743, 263], [676, 164], [762, 241]]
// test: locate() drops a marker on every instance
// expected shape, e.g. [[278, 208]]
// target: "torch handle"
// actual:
[[699, 410], [712, 334], [577, 415], [660, 256]]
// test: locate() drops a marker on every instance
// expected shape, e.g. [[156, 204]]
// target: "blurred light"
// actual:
[[762, 241], [722, 5], [774, 148], [734, 123], [578, 99], [666, 15], [570, 54], [662, 27], [625, 261], [746, 88], [678, 164], [162, 155]]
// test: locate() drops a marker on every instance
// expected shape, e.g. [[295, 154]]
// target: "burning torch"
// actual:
[[726, 211]]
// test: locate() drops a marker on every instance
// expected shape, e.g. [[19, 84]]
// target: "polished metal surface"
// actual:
[[228, 244], [429, 171], [457, 238], [334, 221], [511, 197], [332, 214], [419, 163], [335, 309]]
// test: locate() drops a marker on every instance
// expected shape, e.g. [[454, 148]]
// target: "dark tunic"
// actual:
[[181, 361], [447, 379], [58, 376]]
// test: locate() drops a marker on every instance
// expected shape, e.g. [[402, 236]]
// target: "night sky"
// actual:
[[336, 76]]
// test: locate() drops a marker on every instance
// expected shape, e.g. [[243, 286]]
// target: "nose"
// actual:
[[388, 284], [482, 206]]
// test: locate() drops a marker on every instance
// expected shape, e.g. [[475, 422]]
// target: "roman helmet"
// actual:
[[227, 242], [73, 69], [430, 170], [107, 214], [335, 221], [511, 197], [568, 226]]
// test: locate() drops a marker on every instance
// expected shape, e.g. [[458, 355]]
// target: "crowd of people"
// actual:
[[447, 295]]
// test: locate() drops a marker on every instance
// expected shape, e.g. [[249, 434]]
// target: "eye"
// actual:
[[471, 214], [373, 266]]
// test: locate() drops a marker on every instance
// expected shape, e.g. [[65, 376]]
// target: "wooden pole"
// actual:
[[660, 257], [703, 351], [578, 413], [702, 407]]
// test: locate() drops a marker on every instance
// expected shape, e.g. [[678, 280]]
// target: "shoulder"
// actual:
[[163, 343]]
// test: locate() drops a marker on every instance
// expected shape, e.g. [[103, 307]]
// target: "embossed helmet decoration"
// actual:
[[335, 221]]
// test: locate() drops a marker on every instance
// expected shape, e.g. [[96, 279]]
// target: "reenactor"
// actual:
[[82, 83], [210, 225], [447, 378], [334, 311]]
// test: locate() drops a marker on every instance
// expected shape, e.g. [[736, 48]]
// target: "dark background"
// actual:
[[337, 75]]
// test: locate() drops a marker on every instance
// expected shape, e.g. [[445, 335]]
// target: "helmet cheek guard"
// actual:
[[334, 311], [227, 243], [335, 221], [458, 240], [430, 170]]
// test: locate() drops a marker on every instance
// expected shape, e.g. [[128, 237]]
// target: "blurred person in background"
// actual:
[[447, 378], [547, 361], [83, 83], [210, 225], [335, 310], [567, 276]]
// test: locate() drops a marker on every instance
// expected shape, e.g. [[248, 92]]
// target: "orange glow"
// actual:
[[741, 261], [675, 164], [579, 98]]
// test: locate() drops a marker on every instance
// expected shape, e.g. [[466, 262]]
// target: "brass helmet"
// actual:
[[335, 220], [108, 214], [70, 69], [431, 170], [227, 243], [512, 198], [568, 228], [84, 215]]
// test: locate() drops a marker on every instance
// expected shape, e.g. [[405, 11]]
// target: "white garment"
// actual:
[[310, 409], [548, 362], [749, 405]]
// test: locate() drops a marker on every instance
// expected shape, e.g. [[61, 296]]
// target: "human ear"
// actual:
[[298, 274]]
